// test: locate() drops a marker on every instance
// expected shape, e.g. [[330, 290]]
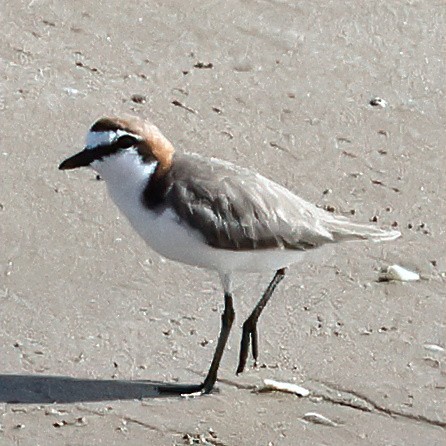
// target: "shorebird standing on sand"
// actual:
[[209, 213]]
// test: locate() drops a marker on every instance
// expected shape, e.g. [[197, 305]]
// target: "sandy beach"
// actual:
[[91, 318]]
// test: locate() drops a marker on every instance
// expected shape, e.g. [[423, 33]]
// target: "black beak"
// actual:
[[81, 159]]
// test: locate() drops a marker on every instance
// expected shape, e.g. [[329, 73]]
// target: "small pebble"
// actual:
[[204, 65], [378, 102], [81, 421], [138, 98]]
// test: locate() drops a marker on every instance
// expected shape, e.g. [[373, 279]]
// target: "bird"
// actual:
[[212, 214]]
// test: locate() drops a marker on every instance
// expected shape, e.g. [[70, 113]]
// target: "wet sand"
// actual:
[[87, 309]]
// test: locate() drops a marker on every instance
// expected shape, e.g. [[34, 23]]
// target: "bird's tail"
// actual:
[[341, 229]]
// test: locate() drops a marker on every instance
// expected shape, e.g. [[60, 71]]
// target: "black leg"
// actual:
[[250, 333], [227, 319]]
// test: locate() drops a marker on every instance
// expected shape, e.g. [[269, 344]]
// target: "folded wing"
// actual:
[[237, 209]]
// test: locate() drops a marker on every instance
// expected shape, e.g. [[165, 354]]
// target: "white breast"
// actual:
[[169, 237]]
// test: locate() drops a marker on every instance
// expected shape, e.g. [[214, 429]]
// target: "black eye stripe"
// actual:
[[99, 152], [103, 150]]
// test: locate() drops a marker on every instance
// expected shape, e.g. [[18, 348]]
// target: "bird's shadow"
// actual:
[[43, 389]]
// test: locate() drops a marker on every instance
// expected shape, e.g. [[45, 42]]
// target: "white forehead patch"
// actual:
[[95, 139]]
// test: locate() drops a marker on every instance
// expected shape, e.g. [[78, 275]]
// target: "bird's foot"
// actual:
[[185, 390], [191, 390]]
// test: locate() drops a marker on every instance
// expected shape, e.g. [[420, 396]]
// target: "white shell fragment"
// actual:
[[316, 418], [71, 91], [433, 348], [271, 384], [396, 272]]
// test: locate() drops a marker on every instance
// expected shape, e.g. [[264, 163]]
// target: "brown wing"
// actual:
[[237, 209]]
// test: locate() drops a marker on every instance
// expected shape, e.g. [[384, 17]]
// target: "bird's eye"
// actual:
[[126, 141]]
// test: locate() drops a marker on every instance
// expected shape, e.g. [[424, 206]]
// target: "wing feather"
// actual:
[[237, 209]]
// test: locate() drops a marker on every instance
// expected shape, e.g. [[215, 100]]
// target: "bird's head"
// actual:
[[128, 141]]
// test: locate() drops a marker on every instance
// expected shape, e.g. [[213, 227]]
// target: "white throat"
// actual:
[[125, 166], [126, 177]]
